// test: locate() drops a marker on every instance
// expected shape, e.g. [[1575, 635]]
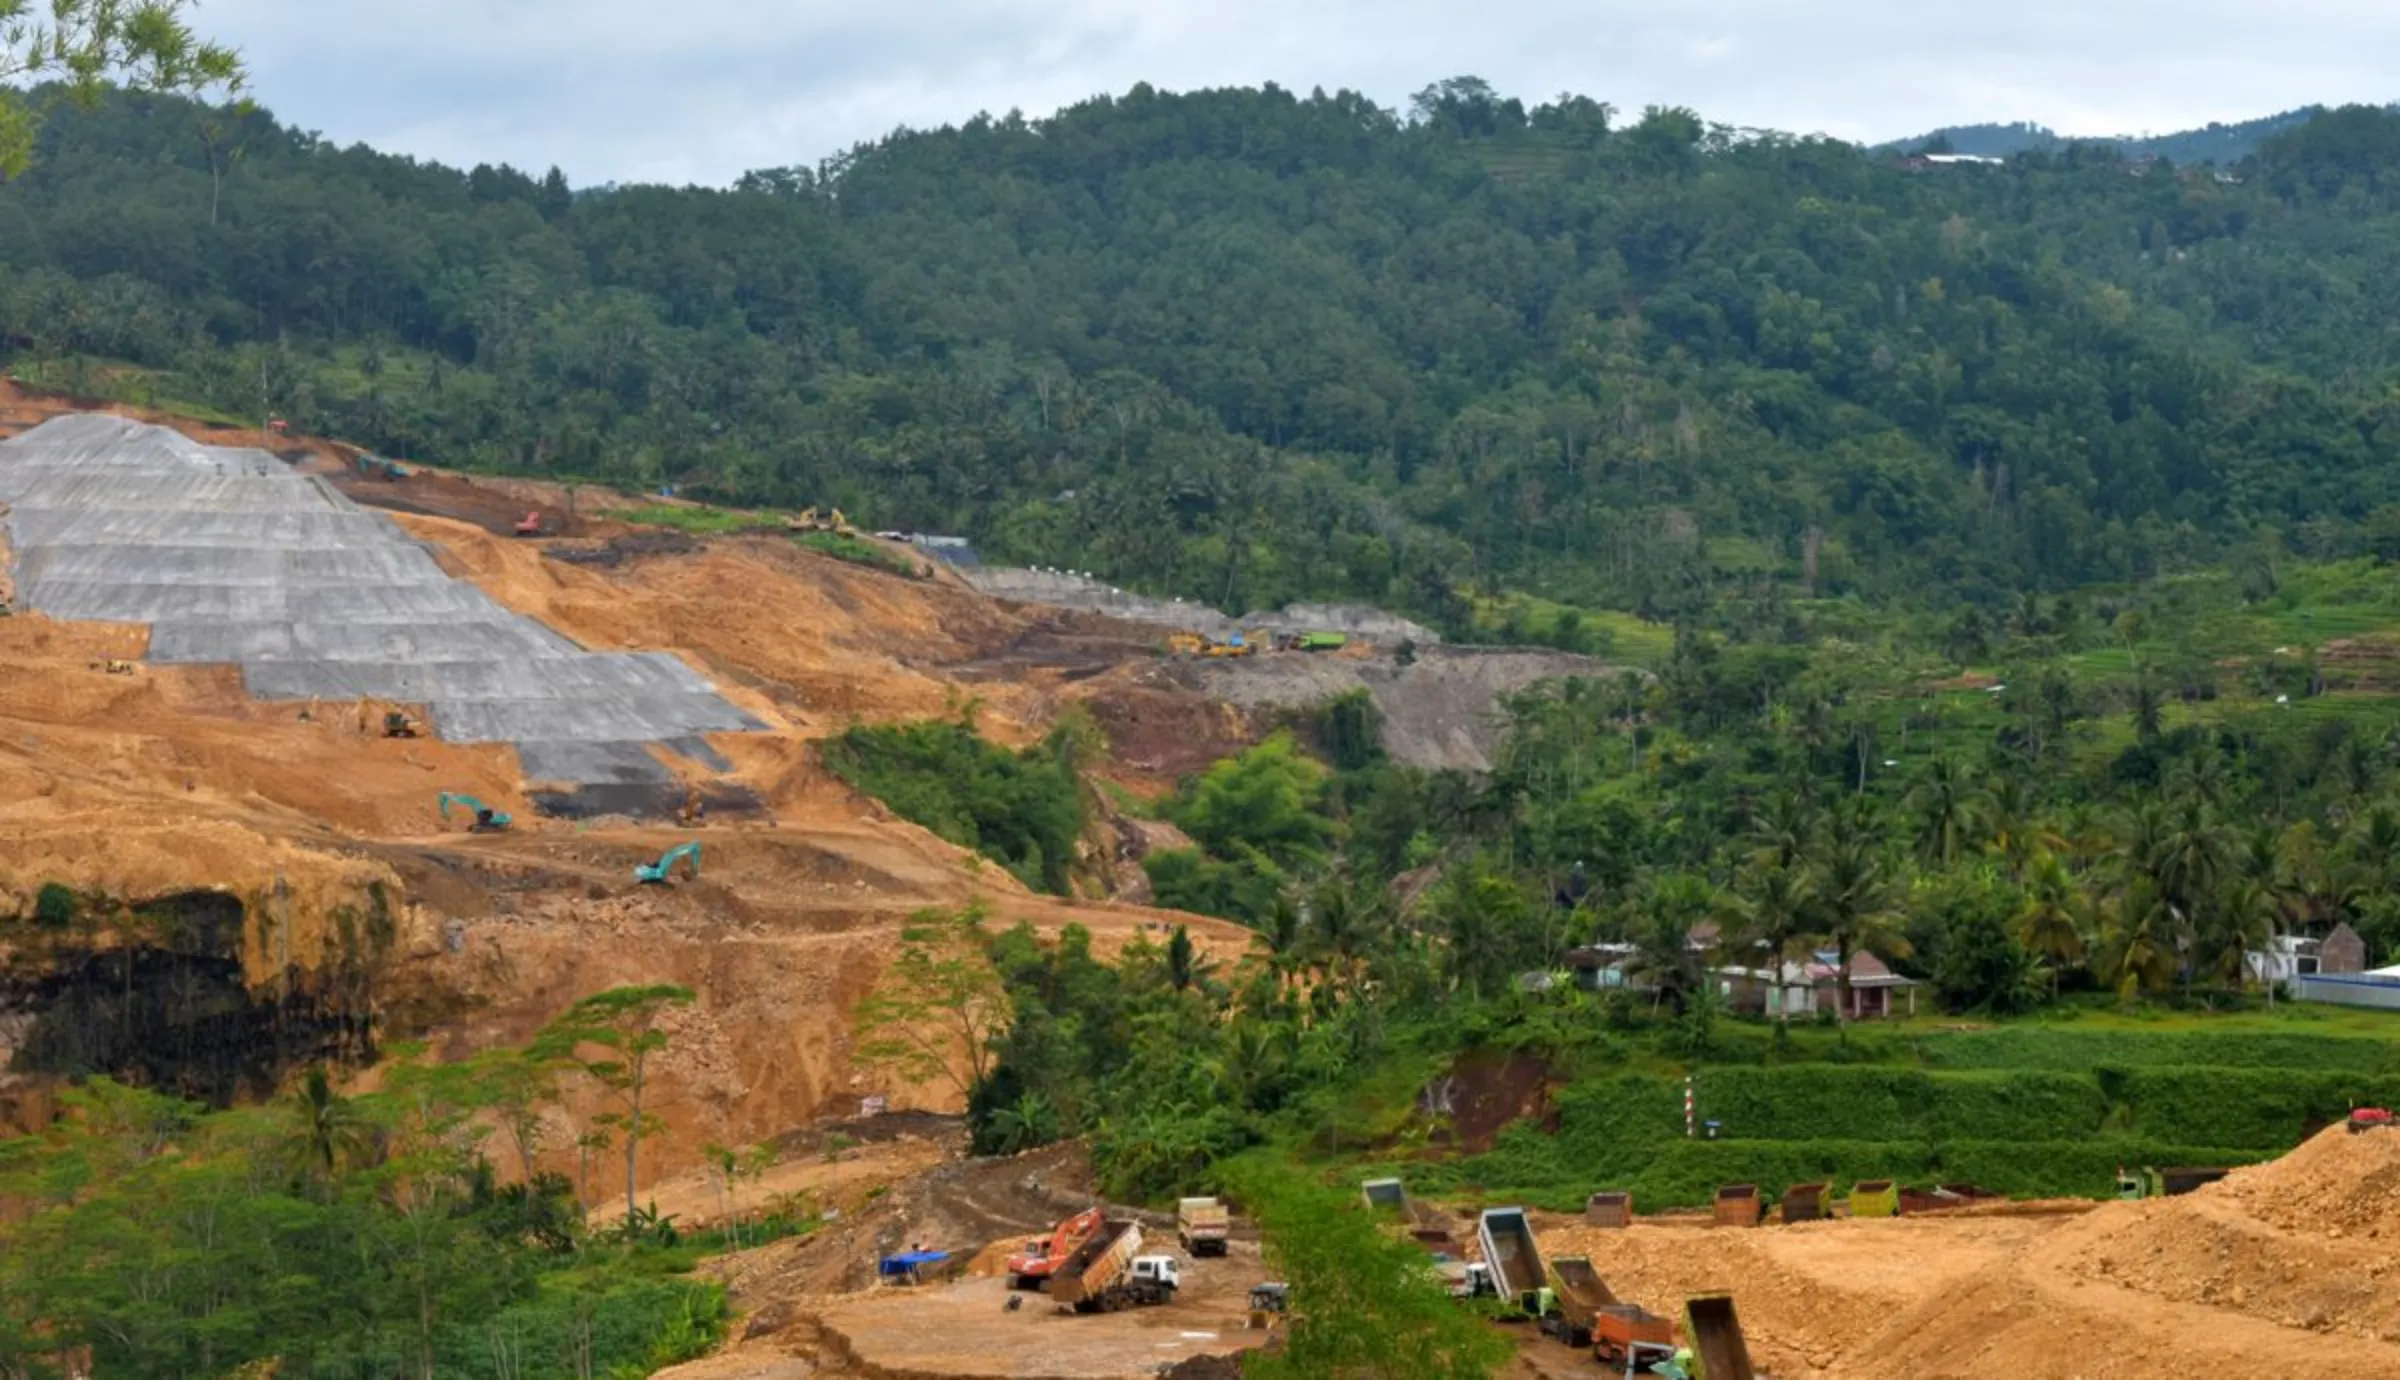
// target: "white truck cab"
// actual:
[[1162, 1271]]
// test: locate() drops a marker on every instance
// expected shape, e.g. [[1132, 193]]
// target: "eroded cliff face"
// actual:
[[157, 992]]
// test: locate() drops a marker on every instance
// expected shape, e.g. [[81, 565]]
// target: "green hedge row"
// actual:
[[2256, 1108], [2037, 1132], [2072, 1050], [1687, 1173], [1801, 1102]]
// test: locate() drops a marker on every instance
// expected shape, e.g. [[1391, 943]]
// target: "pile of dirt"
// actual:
[[1809, 1297], [2286, 1266], [2334, 1184], [2304, 1241]]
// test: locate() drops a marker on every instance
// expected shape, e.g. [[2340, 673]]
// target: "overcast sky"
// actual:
[[702, 90]]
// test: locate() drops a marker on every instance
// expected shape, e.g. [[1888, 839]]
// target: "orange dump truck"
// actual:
[[1109, 1272]]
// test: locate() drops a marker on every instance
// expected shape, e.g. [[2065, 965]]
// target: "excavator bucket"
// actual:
[[1718, 1349]]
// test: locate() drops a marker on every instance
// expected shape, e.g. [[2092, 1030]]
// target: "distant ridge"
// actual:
[[2216, 143]]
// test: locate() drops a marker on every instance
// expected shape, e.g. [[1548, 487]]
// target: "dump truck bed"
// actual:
[[1719, 1351], [1619, 1327], [1097, 1263], [1510, 1252], [1581, 1291]]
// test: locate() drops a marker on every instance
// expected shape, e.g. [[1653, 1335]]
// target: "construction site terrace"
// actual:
[[554, 750]]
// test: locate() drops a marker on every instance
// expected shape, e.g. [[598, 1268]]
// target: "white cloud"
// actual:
[[704, 89]]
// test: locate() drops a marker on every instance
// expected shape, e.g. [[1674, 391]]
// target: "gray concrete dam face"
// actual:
[[230, 556]]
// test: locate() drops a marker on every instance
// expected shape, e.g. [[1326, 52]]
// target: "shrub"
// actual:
[[56, 905], [1023, 808]]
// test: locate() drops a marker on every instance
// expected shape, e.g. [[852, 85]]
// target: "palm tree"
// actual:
[[1784, 833], [1776, 906], [328, 1131], [2147, 707], [2138, 950], [1664, 951], [1282, 933], [2189, 858], [2050, 923], [2244, 920], [1855, 897], [1343, 925], [1951, 812]]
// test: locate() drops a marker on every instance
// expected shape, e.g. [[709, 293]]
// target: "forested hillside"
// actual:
[[1252, 346]]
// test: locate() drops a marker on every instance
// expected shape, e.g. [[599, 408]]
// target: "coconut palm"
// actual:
[[2051, 920], [1776, 907], [2244, 920], [2138, 943], [1951, 812], [1664, 951], [1783, 834], [1857, 904], [328, 1130]]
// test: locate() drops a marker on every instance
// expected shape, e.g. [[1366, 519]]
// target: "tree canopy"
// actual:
[[1250, 345]]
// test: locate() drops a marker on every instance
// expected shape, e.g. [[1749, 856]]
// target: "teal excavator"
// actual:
[[660, 871], [483, 818]]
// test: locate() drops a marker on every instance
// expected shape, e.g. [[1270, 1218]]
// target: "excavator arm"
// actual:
[[658, 872]]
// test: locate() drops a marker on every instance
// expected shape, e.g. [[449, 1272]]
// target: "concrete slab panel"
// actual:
[[232, 557]]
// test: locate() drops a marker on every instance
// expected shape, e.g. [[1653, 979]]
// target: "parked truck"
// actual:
[[1513, 1258], [1719, 1351], [1581, 1295], [1031, 1264], [1630, 1336], [1109, 1272], [1203, 1225]]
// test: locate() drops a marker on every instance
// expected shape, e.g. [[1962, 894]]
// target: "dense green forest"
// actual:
[[1251, 345]]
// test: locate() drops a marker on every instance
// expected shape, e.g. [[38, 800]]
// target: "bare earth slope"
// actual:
[[172, 779]]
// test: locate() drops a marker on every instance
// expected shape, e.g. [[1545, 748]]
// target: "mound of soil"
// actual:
[[2334, 1181], [2284, 1266]]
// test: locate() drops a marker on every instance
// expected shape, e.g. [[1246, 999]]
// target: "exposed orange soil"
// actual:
[[172, 779]]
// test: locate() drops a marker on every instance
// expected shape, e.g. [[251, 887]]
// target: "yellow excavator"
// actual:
[[394, 722], [809, 520]]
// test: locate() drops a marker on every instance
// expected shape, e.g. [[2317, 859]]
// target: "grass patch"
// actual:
[[696, 518], [1610, 634], [859, 551]]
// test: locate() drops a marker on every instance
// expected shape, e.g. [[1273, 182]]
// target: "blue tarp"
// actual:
[[911, 1262]]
